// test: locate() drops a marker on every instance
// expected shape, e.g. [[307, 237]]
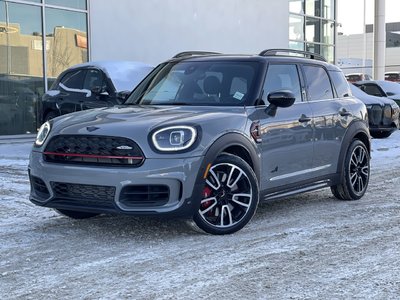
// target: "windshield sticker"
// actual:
[[238, 95]]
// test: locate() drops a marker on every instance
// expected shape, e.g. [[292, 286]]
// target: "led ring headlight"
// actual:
[[174, 138], [42, 134]]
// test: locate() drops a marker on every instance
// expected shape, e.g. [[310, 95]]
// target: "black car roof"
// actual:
[[255, 58]]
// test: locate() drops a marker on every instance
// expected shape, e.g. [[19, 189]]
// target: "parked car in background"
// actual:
[[18, 104], [92, 85], [392, 76], [354, 77], [381, 88], [383, 113], [207, 136]]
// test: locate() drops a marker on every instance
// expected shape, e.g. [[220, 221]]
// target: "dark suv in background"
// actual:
[[207, 136], [92, 85]]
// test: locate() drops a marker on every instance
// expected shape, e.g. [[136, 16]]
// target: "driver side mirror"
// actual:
[[280, 98], [122, 96], [98, 90]]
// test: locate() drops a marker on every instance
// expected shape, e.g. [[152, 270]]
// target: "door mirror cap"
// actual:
[[282, 98], [123, 95], [97, 90]]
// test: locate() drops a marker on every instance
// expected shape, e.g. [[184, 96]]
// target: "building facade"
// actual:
[[41, 38]]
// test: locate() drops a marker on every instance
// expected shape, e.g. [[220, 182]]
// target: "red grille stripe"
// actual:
[[93, 156]]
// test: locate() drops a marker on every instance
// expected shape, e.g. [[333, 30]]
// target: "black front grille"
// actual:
[[144, 195], [387, 115], [94, 150], [39, 187], [83, 195], [375, 115]]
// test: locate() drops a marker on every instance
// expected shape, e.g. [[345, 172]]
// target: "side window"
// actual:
[[74, 79], [94, 78], [341, 85], [282, 77], [318, 83]]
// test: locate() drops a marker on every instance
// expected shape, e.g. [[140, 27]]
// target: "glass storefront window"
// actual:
[[313, 47], [313, 30], [21, 67], [296, 6], [296, 45], [328, 11], [327, 52], [313, 8], [79, 4], [328, 32], [66, 40], [296, 28]]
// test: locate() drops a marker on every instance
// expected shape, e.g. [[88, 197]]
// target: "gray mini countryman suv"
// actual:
[[207, 136]]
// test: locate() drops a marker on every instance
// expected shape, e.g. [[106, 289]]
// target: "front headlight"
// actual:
[[42, 134], [174, 138]]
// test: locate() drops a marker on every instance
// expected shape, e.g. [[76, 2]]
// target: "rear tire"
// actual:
[[355, 173], [76, 214], [230, 196]]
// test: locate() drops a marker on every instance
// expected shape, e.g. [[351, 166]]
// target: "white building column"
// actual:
[[379, 40]]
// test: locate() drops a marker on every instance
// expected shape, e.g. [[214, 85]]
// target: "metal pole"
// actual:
[[379, 40], [364, 58]]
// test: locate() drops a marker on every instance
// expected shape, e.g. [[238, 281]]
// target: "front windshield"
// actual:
[[390, 87], [197, 83]]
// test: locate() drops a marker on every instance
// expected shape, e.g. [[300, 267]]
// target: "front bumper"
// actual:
[[103, 189]]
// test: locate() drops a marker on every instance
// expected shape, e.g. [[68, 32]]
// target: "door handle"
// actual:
[[304, 119], [344, 112]]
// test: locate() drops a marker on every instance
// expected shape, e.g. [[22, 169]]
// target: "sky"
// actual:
[[351, 14]]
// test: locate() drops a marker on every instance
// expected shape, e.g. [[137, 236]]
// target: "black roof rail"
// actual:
[[307, 54], [193, 53]]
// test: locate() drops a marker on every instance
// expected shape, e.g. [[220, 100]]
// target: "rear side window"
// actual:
[[318, 83], [341, 85], [282, 77], [74, 80]]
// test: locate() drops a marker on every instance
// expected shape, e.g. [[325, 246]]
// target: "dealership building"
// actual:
[[41, 38]]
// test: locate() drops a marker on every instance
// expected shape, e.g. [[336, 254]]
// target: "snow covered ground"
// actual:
[[302, 247]]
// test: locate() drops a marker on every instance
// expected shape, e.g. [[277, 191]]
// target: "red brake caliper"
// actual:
[[206, 193]]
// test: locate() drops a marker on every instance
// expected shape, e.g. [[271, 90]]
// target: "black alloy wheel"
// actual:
[[356, 173], [230, 196]]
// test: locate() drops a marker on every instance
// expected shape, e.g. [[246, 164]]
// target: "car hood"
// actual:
[[395, 97], [137, 122], [369, 99]]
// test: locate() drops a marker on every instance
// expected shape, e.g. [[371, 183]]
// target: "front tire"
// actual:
[[355, 174], [76, 214], [230, 196]]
